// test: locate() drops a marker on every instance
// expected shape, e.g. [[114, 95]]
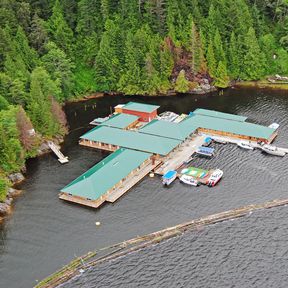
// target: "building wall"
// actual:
[[226, 134], [144, 117]]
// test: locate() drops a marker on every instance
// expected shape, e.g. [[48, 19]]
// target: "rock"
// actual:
[[43, 148], [8, 201], [13, 192], [16, 177], [4, 209]]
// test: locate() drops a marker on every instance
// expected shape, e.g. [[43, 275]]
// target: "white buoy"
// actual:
[[151, 175], [97, 223]]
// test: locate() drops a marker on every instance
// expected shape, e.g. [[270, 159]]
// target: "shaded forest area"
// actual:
[[53, 51]]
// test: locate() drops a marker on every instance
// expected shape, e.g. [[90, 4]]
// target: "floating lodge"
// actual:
[[141, 142]]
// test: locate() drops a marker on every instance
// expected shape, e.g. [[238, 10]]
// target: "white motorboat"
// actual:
[[273, 150], [189, 180], [215, 177], [274, 126], [245, 145], [220, 141]]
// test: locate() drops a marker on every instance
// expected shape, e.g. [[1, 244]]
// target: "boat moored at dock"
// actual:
[[245, 145], [186, 179], [169, 177], [215, 177], [205, 151], [272, 150]]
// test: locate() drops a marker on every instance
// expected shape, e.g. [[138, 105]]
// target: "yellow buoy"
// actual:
[[97, 223]]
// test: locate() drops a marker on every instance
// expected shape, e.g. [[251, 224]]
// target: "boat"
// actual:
[[188, 160], [273, 150], [274, 126], [168, 116], [220, 141], [189, 180], [169, 177], [215, 177], [180, 118], [207, 141], [245, 145], [205, 151]]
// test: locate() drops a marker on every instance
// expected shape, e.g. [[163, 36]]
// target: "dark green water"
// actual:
[[45, 233]]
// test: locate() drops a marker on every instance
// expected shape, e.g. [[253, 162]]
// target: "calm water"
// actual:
[[45, 233]]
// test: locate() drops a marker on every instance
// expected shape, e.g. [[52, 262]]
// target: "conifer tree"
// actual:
[[234, 59], [181, 84], [60, 68], [61, 33], [221, 77], [38, 34], [211, 61], [218, 48], [107, 62], [254, 60]]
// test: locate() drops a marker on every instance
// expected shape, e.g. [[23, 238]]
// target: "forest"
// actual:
[[55, 51]]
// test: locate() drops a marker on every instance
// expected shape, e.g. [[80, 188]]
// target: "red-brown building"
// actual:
[[145, 112]]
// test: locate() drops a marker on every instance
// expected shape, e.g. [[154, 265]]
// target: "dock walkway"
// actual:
[[128, 183], [235, 141], [56, 149], [183, 152]]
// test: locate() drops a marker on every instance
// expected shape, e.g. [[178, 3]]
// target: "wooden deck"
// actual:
[[176, 158], [131, 181], [82, 201]]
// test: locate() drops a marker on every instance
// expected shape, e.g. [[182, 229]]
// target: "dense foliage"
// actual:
[[51, 51]]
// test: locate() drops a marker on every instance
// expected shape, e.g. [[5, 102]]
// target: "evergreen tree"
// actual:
[[181, 84], [38, 34], [254, 60], [61, 33], [222, 79], [218, 48], [107, 63], [60, 68], [211, 61], [234, 59]]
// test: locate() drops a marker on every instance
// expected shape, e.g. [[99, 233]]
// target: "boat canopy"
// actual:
[[206, 150], [169, 174]]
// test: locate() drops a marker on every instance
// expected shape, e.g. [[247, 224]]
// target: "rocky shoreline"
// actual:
[[18, 177]]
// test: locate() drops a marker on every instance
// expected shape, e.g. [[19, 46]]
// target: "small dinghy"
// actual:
[[272, 150], [245, 145], [189, 180]]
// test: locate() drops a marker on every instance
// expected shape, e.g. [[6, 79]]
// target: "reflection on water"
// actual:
[[45, 233]]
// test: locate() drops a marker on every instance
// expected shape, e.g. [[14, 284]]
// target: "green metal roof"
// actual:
[[135, 106], [216, 114], [132, 140], [120, 120], [235, 127], [105, 174], [168, 129]]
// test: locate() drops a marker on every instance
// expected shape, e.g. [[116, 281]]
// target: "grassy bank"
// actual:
[[262, 84]]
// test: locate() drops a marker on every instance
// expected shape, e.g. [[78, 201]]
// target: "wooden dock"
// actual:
[[56, 149], [177, 157], [131, 181]]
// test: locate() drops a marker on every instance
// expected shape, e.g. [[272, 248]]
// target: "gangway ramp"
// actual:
[[56, 149]]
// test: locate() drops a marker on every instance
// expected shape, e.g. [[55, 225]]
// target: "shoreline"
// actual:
[[261, 84], [16, 178], [6, 206], [79, 265]]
